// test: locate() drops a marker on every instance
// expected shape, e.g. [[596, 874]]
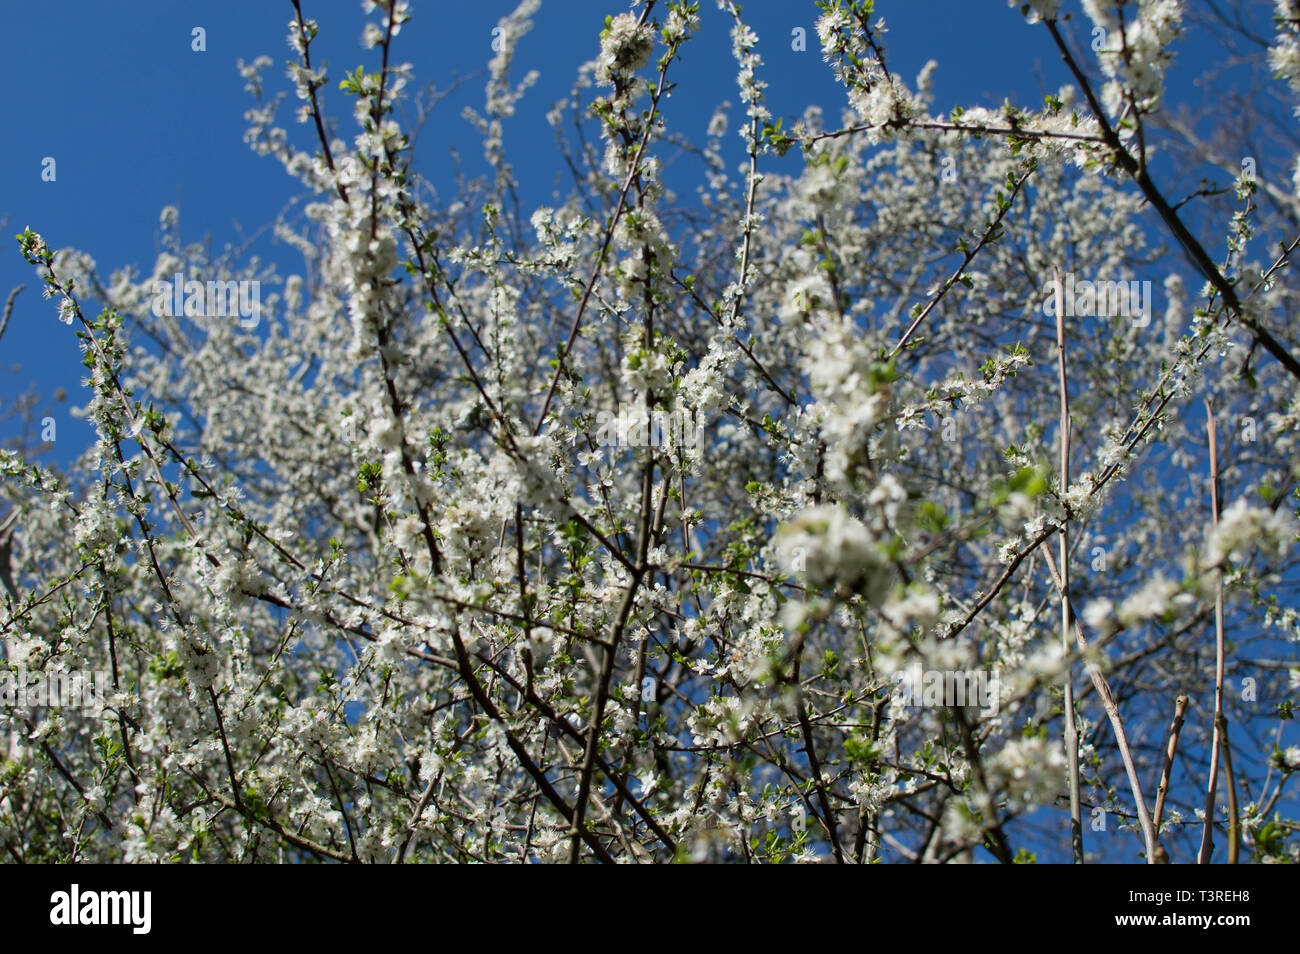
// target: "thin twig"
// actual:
[[1102, 686], [1071, 729], [1220, 721], [1175, 729], [9, 307]]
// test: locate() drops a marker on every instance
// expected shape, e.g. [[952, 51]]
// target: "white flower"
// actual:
[[624, 48], [1030, 771], [389, 648], [1243, 527], [94, 797], [678, 25], [919, 607], [236, 577], [1284, 54], [1135, 60], [1154, 599], [1097, 613], [829, 546], [1036, 10], [888, 495], [648, 782], [95, 527], [1080, 497]]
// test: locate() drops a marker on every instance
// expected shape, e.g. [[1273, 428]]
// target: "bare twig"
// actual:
[[1220, 720], [1071, 729], [9, 307], [1175, 729], [1102, 687]]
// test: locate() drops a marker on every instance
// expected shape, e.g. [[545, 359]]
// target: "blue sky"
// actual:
[[137, 120]]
